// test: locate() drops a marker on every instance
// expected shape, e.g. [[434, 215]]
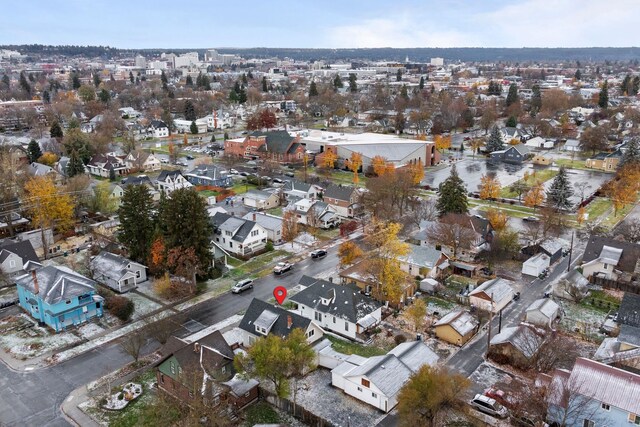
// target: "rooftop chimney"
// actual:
[[289, 321], [254, 217], [36, 286]]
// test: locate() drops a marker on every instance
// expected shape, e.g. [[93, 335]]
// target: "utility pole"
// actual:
[[570, 252], [500, 322], [490, 320]]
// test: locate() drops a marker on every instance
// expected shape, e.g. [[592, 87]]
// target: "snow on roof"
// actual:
[[461, 321], [546, 306], [610, 255], [499, 287], [522, 337], [539, 260]]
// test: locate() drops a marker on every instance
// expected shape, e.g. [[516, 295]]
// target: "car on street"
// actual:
[[320, 253], [189, 157], [242, 286], [530, 219], [290, 174], [233, 172], [488, 406], [282, 267]]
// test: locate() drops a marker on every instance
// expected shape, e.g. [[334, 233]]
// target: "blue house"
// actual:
[[59, 297], [516, 154], [209, 175], [594, 394]]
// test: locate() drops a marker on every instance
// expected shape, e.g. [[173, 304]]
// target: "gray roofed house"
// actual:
[[209, 175], [261, 199], [422, 261], [611, 259], [493, 295], [518, 343], [512, 154], [303, 190], [262, 318], [39, 169], [377, 380], [338, 308], [345, 199], [16, 255], [629, 311], [271, 223], [117, 272], [542, 312], [169, 181], [118, 189]]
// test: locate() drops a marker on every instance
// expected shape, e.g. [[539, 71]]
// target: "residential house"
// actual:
[[39, 169], [314, 213], [622, 350], [424, 261], [102, 165], [493, 295], [238, 236], [511, 133], [542, 312], [359, 274], [516, 154], [536, 265], [142, 161], [184, 126], [483, 231], [12, 222], [118, 189], [346, 200], [294, 190], [572, 145], [209, 175], [271, 223], [262, 319], [261, 199], [278, 146], [539, 142], [117, 272], [129, 113], [457, 327], [516, 345], [170, 181], [59, 297], [377, 380], [17, 257], [594, 394], [607, 162], [610, 259], [541, 160], [159, 129], [342, 309]]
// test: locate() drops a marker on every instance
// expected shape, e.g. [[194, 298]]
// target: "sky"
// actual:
[[323, 24]]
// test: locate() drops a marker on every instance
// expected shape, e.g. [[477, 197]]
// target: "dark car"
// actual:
[[320, 253], [189, 157]]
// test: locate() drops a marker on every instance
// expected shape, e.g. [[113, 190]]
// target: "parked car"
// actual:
[[164, 160], [282, 267], [189, 157], [278, 181], [290, 174], [320, 253], [242, 286], [233, 172], [488, 406], [530, 219]]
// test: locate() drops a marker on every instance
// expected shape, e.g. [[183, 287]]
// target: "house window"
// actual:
[[334, 319], [605, 266], [365, 383], [161, 379], [360, 389], [138, 274], [318, 316], [172, 367], [373, 395], [588, 423], [224, 369], [12, 263], [605, 406], [346, 326], [311, 333], [68, 301], [634, 418]]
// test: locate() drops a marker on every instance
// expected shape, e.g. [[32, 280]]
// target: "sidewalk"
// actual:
[[72, 413]]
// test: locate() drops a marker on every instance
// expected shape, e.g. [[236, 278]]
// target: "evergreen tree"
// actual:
[[242, 96], [194, 128], [244, 79], [578, 75], [603, 99], [421, 84], [635, 87], [399, 75], [189, 110], [206, 83], [560, 191], [495, 142], [337, 82], [24, 83], [46, 97], [131, 78], [462, 147], [104, 96], [186, 224], [452, 195], [96, 80], [136, 221], [163, 78], [536, 100], [33, 151], [112, 175], [313, 90], [74, 165], [213, 138], [511, 122], [189, 81], [250, 75], [75, 81], [56, 131], [6, 80], [512, 96], [353, 85], [631, 153], [264, 84], [404, 93]]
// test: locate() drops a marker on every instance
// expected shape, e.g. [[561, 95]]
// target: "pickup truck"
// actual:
[[282, 267]]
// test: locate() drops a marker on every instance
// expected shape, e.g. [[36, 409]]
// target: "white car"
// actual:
[[242, 285], [489, 406], [282, 267], [233, 172]]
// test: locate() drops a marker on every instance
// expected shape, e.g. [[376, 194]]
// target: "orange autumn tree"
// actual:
[[442, 142], [157, 257], [535, 196], [498, 219], [580, 215], [621, 193], [348, 252], [354, 164], [329, 159], [417, 172], [489, 187], [379, 165]]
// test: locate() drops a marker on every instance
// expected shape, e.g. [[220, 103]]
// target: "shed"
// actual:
[[492, 295], [542, 312], [457, 327], [535, 265], [429, 285]]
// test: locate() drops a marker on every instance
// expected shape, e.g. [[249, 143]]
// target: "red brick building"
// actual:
[[272, 145]]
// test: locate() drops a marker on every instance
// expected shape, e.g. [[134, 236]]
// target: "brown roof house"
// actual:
[[611, 259]]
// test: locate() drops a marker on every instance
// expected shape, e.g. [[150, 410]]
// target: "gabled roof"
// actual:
[[294, 185], [57, 283], [137, 180], [523, 337], [546, 306], [208, 171], [23, 249], [266, 221], [629, 311], [168, 174], [422, 256], [215, 352], [111, 265], [277, 141], [157, 124], [628, 259], [520, 148], [461, 321], [499, 287], [279, 327], [346, 302], [339, 192]]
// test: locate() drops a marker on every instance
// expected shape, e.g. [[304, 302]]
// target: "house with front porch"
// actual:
[[117, 272], [102, 165], [59, 297], [271, 223], [346, 200], [261, 199], [341, 309], [314, 213], [424, 261], [294, 190], [209, 175], [237, 236], [142, 161], [118, 189], [170, 181], [610, 259]]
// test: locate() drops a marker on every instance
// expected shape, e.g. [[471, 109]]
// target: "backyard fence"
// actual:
[[297, 410], [633, 287]]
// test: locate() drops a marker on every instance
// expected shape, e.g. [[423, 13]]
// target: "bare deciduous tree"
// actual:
[[452, 231], [132, 344]]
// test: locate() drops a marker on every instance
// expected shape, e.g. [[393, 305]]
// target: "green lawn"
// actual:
[[538, 176], [208, 193], [275, 211], [601, 301], [612, 220], [515, 211], [576, 164], [242, 188], [597, 207], [348, 347], [252, 267]]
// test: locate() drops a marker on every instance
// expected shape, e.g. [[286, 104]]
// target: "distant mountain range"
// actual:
[[586, 54]]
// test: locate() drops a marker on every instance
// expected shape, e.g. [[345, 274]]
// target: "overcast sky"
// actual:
[[323, 23]]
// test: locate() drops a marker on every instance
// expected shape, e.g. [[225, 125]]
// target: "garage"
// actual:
[[535, 265]]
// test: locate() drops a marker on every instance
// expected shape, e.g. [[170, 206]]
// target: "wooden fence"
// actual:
[[297, 411], [633, 287]]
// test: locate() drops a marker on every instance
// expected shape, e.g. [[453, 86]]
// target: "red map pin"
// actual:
[[280, 293]]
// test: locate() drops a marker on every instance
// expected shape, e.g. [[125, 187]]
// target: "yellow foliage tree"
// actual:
[[354, 165], [489, 187], [621, 194], [329, 159], [348, 252], [417, 313], [379, 165], [48, 206], [442, 142], [535, 196], [48, 158], [417, 172], [580, 215], [498, 219], [514, 141]]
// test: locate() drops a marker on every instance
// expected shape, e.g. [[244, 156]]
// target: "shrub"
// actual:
[[399, 339], [269, 246], [120, 307]]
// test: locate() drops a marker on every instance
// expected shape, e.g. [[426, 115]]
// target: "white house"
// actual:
[[103, 164], [117, 272], [539, 142], [315, 213], [378, 380], [302, 190], [170, 181], [238, 236], [261, 199], [143, 161], [542, 312], [271, 223], [572, 145], [493, 295], [535, 265], [338, 308], [16, 256], [184, 126], [159, 129]]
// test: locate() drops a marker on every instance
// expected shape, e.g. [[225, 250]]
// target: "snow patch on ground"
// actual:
[[89, 330], [300, 244], [231, 321], [24, 339], [142, 304]]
